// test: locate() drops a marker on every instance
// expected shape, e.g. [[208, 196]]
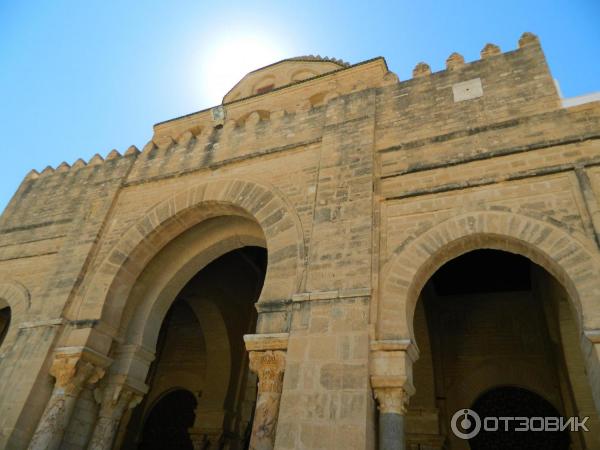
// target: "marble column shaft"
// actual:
[[114, 400], [269, 365], [392, 404], [72, 373]]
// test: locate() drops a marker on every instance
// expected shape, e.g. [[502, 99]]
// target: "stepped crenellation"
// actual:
[[490, 50], [63, 167], [114, 154], [528, 38], [455, 61], [292, 247], [200, 136], [96, 159], [421, 69], [80, 163], [132, 151]]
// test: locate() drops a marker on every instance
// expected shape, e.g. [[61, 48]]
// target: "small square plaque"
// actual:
[[467, 90]]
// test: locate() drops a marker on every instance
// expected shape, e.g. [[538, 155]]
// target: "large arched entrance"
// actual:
[[490, 318], [142, 275], [200, 352]]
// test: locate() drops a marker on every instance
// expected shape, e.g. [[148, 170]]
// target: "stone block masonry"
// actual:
[[359, 186]]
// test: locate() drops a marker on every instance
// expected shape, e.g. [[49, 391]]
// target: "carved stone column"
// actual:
[[205, 439], [269, 366], [392, 405], [114, 399], [391, 379], [72, 368], [267, 360]]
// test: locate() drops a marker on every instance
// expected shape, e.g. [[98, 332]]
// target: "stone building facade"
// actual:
[[331, 259]]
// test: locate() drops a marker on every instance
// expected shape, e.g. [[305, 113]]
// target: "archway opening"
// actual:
[[168, 422], [491, 318], [512, 401], [200, 349], [5, 317]]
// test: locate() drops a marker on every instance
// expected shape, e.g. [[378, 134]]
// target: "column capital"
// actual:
[[205, 439], [393, 399], [391, 372], [269, 365], [116, 397], [74, 367]]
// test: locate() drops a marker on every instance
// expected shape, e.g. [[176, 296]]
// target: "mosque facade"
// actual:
[[332, 258]]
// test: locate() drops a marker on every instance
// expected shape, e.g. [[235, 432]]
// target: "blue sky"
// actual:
[[84, 77]]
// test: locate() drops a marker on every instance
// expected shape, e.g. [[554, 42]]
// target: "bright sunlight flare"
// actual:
[[226, 63]]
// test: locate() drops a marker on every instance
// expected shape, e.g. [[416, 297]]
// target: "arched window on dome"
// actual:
[[265, 89]]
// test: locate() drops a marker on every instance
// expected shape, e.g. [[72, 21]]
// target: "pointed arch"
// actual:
[[565, 255], [105, 295]]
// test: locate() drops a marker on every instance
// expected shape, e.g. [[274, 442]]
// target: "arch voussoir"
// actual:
[[185, 209], [260, 202], [181, 202], [566, 256]]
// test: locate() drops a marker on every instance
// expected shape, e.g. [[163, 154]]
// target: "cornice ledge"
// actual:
[[270, 341]]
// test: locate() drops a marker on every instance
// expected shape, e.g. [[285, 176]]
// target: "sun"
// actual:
[[226, 62]]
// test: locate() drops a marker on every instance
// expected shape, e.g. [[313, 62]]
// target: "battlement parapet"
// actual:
[[95, 160]]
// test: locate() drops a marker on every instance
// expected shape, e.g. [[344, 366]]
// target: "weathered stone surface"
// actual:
[[360, 186]]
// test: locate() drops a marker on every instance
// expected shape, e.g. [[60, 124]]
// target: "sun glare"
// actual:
[[225, 63]]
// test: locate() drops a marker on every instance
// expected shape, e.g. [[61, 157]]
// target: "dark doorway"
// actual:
[[167, 424], [483, 271], [508, 401]]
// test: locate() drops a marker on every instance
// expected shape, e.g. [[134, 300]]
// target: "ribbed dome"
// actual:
[[319, 58]]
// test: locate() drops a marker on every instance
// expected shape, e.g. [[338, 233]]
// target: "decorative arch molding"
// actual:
[[566, 255], [151, 296], [170, 218], [16, 296]]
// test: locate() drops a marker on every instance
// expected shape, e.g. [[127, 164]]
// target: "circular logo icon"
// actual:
[[465, 423]]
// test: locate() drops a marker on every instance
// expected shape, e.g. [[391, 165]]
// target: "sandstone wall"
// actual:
[[361, 165]]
